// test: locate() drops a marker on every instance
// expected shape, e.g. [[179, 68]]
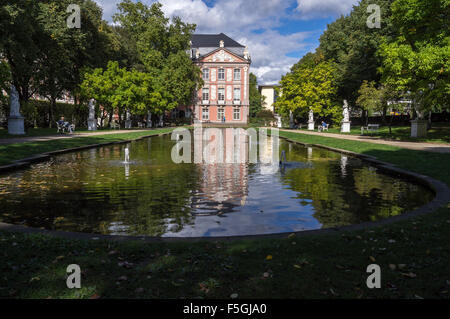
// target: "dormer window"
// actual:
[[221, 44]]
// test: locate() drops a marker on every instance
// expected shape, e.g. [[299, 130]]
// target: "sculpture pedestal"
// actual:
[[418, 128], [345, 128], [16, 125], [92, 125], [128, 124], [310, 126]]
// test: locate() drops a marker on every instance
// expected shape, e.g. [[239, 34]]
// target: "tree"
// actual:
[[255, 97], [418, 61], [162, 47], [309, 86], [119, 90], [44, 55], [353, 46], [5, 79]]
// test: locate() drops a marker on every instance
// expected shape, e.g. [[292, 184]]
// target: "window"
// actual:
[[220, 114], [205, 113], [205, 74], [205, 94], [237, 74], [237, 94], [221, 74], [236, 113], [221, 94]]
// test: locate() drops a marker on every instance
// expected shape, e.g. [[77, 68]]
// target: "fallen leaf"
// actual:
[[372, 258], [269, 257]]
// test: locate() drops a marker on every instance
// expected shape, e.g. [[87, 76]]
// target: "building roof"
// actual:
[[212, 41]]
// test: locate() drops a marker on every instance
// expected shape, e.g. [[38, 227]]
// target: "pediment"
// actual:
[[222, 55]]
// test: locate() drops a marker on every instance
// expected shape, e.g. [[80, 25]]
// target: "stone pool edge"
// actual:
[[441, 190]]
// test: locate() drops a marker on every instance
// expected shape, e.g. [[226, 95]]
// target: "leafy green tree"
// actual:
[[418, 60], [310, 85], [255, 97], [162, 47], [353, 46], [44, 55]]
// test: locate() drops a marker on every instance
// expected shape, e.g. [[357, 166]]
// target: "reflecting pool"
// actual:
[[96, 191]]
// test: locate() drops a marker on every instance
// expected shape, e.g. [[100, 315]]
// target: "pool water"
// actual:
[[95, 191]]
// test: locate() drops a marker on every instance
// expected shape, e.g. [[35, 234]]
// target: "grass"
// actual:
[[33, 132], [432, 164], [16, 151], [439, 133], [413, 255]]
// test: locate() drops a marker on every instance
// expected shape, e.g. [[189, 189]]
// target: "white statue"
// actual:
[[15, 121], [15, 104], [92, 123], [345, 112], [91, 109], [311, 116], [345, 127]]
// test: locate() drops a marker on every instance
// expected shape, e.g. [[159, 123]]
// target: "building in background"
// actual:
[[225, 66], [268, 92]]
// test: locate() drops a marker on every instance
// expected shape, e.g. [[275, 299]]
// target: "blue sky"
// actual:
[[277, 32]]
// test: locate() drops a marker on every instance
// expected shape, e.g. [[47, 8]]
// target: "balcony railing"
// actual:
[[205, 102], [237, 102], [221, 101]]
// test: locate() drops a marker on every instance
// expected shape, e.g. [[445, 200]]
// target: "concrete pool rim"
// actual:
[[440, 189]]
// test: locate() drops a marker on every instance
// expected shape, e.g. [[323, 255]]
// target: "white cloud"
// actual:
[[239, 18], [310, 9]]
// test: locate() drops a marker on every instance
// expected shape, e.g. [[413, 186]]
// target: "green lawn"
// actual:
[[32, 132], [413, 255], [12, 152], [439, 133]]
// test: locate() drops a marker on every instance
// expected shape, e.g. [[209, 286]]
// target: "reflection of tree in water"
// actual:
[[83, 192], [351, 194]]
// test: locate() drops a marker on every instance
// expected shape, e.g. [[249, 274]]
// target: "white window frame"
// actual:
[[221, 93], [238, 98], [205, 91], [220, 113], [205, 111], [221, 71], [238, 113], [205, 71], [237, 78]]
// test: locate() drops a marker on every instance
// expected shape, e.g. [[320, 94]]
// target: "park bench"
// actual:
[[322, 128], [370, 128], [63, 128], [114, 125]]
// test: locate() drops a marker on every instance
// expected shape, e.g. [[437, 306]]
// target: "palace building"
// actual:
[[225, 65]]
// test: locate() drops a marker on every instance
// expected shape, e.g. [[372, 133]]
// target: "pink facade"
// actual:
[[224, 97]]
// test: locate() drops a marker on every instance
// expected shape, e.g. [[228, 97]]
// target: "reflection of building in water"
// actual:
[[224, 170]]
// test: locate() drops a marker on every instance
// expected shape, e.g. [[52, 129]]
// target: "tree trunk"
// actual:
[[390, 125], [50, 111]]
